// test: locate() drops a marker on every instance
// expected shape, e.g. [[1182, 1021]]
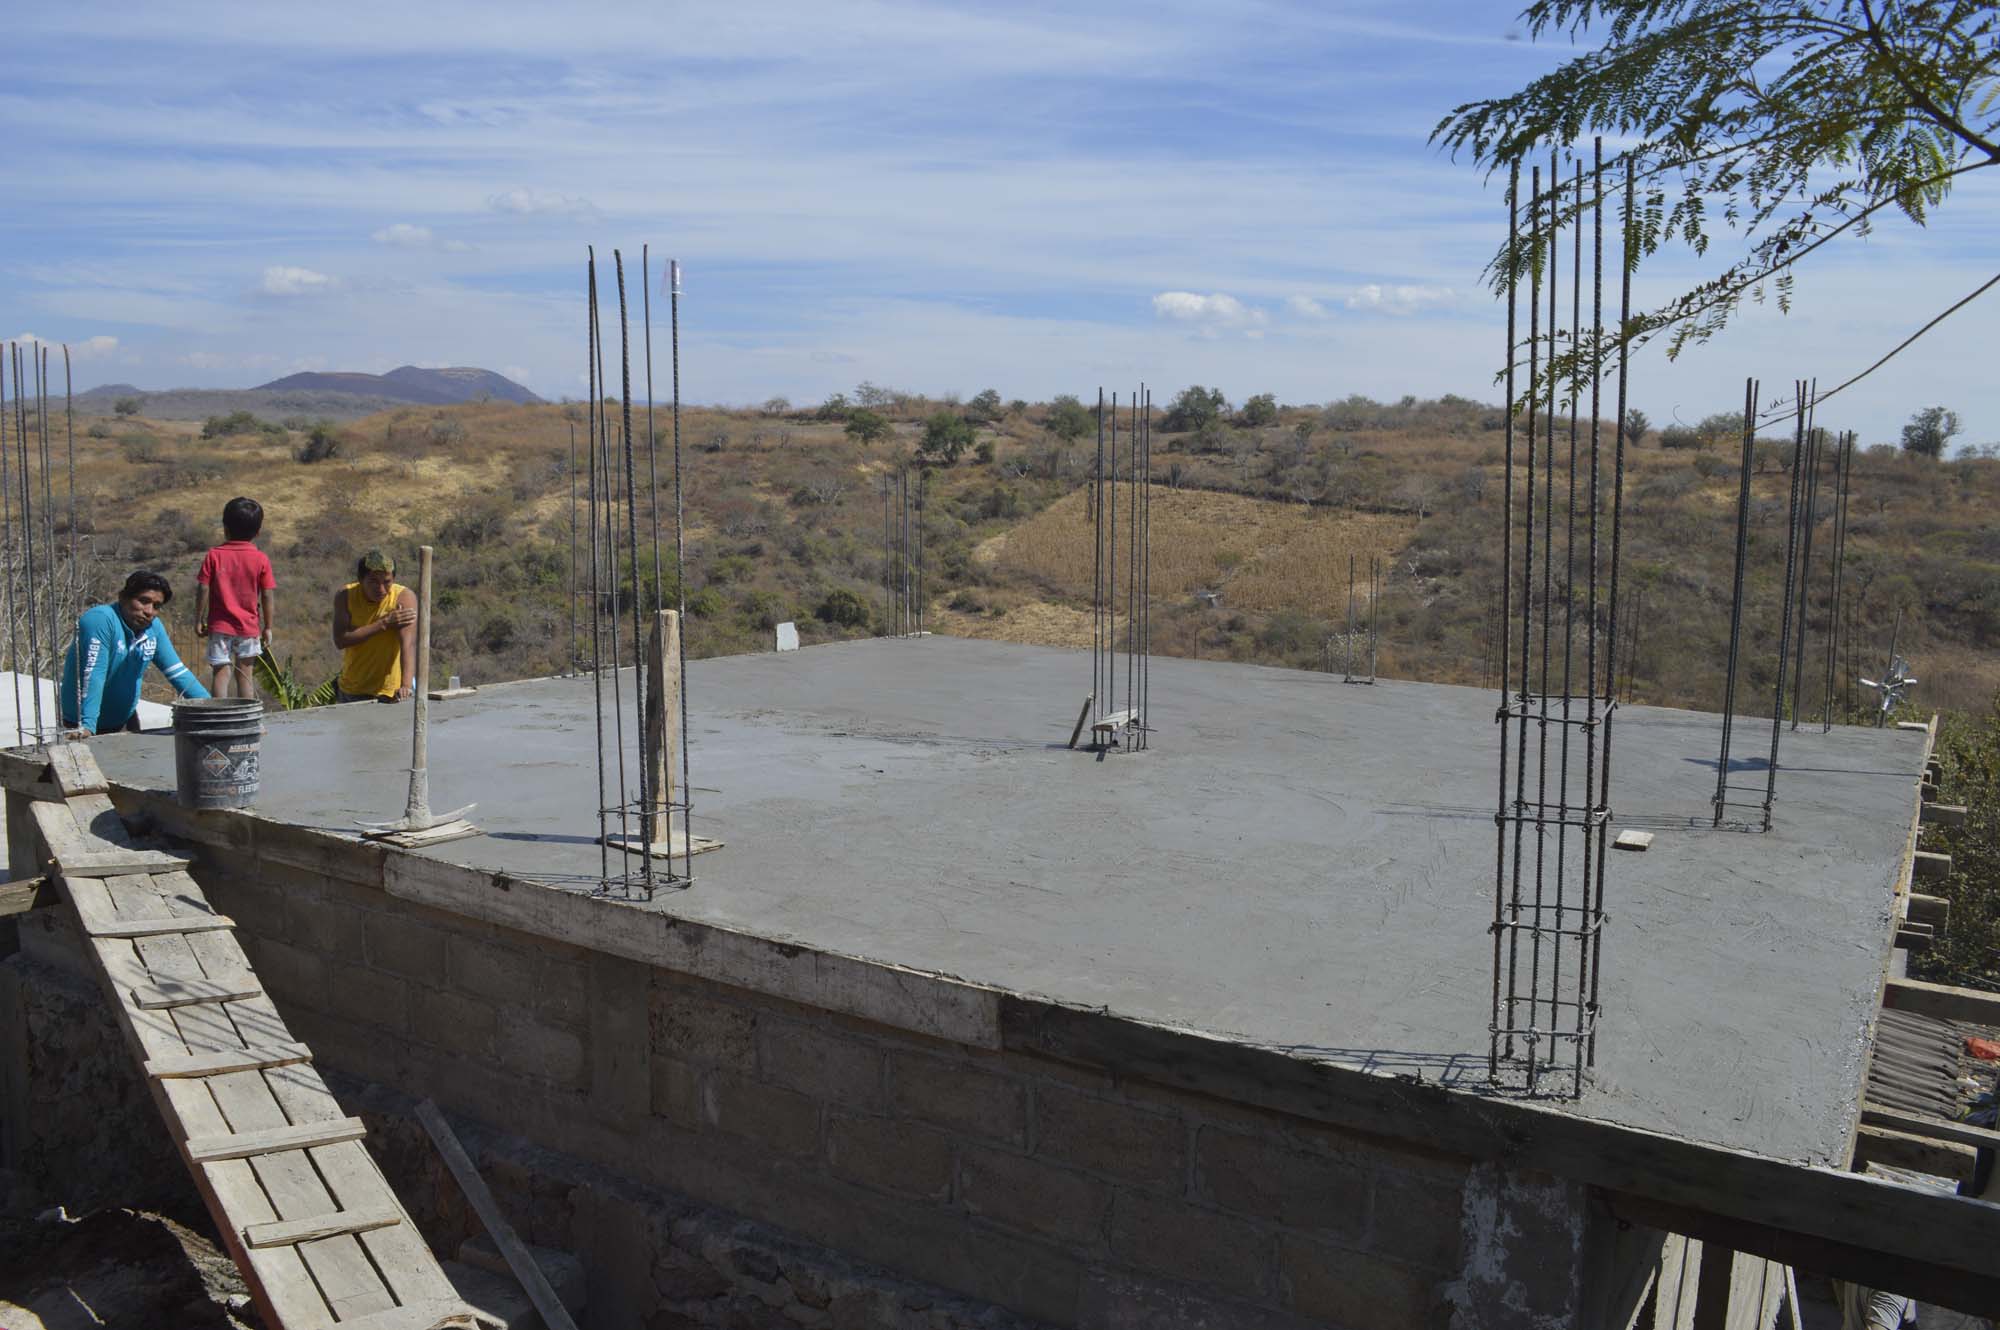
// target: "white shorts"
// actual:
[[225, 648]]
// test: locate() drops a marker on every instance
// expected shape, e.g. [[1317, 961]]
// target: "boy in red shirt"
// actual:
[[233, 605]]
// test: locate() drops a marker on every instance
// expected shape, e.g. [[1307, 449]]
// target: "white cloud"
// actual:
[[1208, 314], [282, 280], [1305, 307], [533, 202], [86, 349], [404, 236], [1400, 299]]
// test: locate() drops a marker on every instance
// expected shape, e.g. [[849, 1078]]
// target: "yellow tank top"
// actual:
[[375, 668]]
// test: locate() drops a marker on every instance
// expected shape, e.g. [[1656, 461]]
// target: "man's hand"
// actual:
[[402, 691], [401, 617], [270, 644], [201, 630], [78, 733]]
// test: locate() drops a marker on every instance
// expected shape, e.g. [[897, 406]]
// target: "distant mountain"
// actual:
[[337, 396], [427, 387]]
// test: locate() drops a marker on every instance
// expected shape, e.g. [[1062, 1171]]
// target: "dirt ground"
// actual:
[[116, 1268]]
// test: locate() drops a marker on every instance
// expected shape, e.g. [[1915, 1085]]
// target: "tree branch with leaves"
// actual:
[[1785, 124]]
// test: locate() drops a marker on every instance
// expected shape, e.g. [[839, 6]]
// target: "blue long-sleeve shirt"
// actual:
[[107, 663]]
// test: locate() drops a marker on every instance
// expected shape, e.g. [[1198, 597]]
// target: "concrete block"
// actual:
[[370, 998], [1336, 1284], [1169, 1237], [402, 946], [482, 968], [283, 843], [546, 1052], [1416, 1221], [620, 1054], [779, 1120], [562, 989], [563, 1271], [959, 1097], [1523, 1250], [451, 1020], [676, 1092], [258, 907], [881, 1152], [1255, 1177], [331, 928], [1042, 1199], [1120, 1300], [1104, 1136], [844, 1071], [690, 1025], [495, 1295], [292, 975]]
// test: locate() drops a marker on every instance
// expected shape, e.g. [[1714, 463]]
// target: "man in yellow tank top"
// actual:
[[375, 627]]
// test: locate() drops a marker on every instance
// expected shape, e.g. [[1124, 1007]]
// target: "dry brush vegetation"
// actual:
[[785, 522]]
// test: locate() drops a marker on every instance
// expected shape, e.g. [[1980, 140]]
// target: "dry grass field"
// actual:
[[785, 519]]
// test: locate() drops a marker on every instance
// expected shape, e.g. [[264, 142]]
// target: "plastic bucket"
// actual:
[[215, 751]]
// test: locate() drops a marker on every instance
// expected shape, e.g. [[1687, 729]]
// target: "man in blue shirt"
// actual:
[[107, 661]]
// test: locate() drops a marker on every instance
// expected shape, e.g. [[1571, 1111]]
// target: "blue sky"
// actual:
[[936, 198]]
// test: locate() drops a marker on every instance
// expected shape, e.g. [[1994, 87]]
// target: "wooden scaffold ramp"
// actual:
[[302, 1208]]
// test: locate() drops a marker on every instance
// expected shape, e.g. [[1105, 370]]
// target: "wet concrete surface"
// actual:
[[1295, 862]]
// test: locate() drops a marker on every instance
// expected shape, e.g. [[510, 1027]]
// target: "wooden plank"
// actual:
[[1111, 720], [399, 1253], [1929, 864], [31, 893], [154, 927], [193, 992], [1916, 1124], [1943, 815], [536, 1285], [1711, 1289], [1082, 718], [1633, 840], [211, 1064], [663, 715], [1953, 1004], [340, 1269], [115, 862], [1923, 1154], [270, 1140], [436, 1314], [74, 770], [59, 832], [291, 1232]]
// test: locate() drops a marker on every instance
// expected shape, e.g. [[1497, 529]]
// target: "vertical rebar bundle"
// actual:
[[1843, 474], [639, 798], [41, 580], [1548, 897], [1120, 720]]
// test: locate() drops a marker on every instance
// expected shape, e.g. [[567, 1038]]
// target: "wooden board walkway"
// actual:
[[308, 1217]]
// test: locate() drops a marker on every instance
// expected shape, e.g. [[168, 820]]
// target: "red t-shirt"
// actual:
[[234, 572]]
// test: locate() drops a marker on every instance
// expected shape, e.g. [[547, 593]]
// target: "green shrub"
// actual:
[[236, 422], [706, 603], [842, 608]]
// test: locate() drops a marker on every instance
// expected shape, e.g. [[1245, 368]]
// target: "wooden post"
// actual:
[[663, 720]]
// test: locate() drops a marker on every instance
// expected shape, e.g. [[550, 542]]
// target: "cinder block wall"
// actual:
[[1048, 1189]]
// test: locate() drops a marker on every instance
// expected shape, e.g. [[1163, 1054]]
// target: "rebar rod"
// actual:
[[1810, 485], [574, 654], [923, 494], [1548, 592], [888, 599], [1628, 259], [1505, 713], [1097, 706], [1583, 959], [1131, 554], [1785, 616], [1889, 671], [1111, 567], [1843, 464], [1736, 595], [73, 606], [1569, 594], [1533, 395], [1348, 667], [594, 373], [8, 356], [680, 579], [51, 579], [645, 802], [29, 593]]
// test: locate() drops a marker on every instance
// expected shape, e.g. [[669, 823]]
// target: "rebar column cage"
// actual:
[[1122, 564], [1558, 696], [44, 580], [644, 835]]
